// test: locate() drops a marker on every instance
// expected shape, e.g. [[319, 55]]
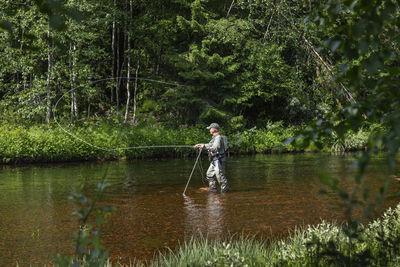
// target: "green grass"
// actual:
[[201, 252], [45, 143], [325, 244]]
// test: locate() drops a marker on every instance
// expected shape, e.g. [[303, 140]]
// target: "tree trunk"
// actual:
[[118, 69], [229, 11], [347, 93], [49, 72], [128, 78], [74, 106], [113, 54], [136, 86], [128, 91], [269, 24], [88, 109]]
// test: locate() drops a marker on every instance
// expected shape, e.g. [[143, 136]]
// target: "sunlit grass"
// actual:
[[326, 244], [105, 140], [199, 251]]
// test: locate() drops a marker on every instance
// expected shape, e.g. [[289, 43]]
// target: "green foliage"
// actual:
[[250, 64], [264, 140], [56, 12], [363, 35], [325, 244], [226, 256], [109, 140], [89, 251], [198, 251], [353, 141], [328, 244], [51, 144], [368, 71]]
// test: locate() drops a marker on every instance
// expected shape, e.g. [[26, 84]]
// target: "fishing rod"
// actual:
[[190, 177], [124, 148]]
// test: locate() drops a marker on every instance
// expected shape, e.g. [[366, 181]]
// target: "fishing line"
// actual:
[[119, 148], [126, 148]]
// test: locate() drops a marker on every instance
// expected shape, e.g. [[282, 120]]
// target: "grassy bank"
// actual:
[[326, 244], [51, 144], [374, 244]]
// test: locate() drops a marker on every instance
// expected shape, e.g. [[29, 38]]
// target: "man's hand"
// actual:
[[200, 146]]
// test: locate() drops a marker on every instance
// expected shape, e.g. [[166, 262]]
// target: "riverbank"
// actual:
[[326, 244], [99, 140]]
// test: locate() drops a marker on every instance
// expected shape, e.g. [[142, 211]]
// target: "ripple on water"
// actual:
[[270, 194]]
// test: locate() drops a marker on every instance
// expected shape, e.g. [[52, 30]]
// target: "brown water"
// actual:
[[270, 194]]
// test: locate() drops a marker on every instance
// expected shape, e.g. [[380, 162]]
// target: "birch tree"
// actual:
[[49, 76]]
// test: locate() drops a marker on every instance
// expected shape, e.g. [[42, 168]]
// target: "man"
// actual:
[[216, 151]]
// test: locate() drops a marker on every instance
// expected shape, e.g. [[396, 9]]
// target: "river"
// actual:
[[270, 195]]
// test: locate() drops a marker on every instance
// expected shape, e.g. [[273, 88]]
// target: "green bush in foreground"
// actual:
[[326, 244]]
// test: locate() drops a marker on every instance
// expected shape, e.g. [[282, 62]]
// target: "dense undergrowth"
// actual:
[[51, 144]]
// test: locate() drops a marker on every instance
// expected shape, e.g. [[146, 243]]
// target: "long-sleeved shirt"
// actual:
[[216, 145]]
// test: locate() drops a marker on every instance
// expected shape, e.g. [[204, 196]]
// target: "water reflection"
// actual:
[[270, 195], [193, 216], [215, 213], [208, 218]]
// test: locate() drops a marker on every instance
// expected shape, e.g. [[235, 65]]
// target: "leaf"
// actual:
[[334, 45], [57, 22], [337, 9], [373, 63], [344, 67], [353, 4], [363, 46], [6, 25], [288, 141], [99, 219]]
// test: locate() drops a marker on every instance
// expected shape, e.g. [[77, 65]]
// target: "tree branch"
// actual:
[[349, 96], [229, 11], [269, 24]]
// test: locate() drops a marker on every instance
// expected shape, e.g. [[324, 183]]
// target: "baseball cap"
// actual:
[[213, 125]]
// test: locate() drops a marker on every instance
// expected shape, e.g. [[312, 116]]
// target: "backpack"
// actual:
[[225, 142]]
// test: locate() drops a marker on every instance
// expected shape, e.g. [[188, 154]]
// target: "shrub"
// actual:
[[325, 244], [109, 140]]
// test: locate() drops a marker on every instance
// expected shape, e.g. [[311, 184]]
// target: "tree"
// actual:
[[363, 35], [235, 60]]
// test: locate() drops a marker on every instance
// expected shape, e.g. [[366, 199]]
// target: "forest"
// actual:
[[177, 62], [249, 65], [95, 79]]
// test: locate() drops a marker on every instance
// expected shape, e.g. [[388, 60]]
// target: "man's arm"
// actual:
[[205, 146], [215, 146]]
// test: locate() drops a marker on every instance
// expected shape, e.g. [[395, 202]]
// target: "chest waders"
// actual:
[[216, 172]]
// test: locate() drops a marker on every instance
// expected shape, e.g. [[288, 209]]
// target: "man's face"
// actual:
[[213, 130]]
